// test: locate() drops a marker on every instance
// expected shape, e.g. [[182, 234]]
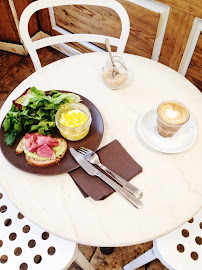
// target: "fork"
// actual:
[[93, 158]]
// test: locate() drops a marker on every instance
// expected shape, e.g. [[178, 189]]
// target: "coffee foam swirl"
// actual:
[[173, 113]]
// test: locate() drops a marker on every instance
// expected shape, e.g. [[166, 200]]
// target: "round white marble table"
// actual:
[[171, 183]]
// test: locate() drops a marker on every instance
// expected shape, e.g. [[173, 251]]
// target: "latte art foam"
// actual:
[[173, 113]]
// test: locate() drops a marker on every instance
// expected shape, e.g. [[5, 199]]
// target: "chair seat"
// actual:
[[178, 250], [23, 245], [182, 249]]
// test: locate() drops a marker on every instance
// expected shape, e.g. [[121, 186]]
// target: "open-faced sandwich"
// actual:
[[41, 150]]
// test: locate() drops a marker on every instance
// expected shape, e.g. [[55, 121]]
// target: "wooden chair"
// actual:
[[23, 245], [178, 250], [32, 46]]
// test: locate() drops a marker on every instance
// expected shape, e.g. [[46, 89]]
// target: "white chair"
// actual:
[[32, 46], [178, 250], [23, 245]]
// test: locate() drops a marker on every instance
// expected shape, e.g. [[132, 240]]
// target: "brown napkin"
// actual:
[[116, 158]]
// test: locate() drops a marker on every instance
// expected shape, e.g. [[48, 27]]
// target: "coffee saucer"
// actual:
[[182, 140]]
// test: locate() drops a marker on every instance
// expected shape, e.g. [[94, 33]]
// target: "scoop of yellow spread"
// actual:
[[73, 118]]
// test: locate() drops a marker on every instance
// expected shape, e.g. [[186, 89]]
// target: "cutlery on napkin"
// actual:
[[94, 159], [118, 160], [93, 171]]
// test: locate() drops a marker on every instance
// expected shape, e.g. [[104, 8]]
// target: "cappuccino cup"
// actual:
[[171, 116]]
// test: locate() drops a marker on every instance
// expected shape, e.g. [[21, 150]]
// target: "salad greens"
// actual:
[[34, 111]]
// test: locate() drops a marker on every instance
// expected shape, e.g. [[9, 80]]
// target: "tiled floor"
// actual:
[[120, 257], [13, 70]]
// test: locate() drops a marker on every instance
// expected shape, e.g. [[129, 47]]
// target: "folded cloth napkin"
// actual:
[[116, 158]]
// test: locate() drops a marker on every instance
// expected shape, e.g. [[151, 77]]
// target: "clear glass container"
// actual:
[[171, 116], [72, 133], [115, 76]]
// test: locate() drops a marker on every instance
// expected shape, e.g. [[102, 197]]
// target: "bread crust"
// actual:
[[42, 163], [19, 149]]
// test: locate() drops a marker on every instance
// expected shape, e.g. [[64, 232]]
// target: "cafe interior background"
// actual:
[[166, 31]]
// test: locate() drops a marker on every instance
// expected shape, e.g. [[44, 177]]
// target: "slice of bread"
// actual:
[[33, 161], [20, 149]]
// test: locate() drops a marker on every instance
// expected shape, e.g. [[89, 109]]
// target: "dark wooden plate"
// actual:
[[67, 164]]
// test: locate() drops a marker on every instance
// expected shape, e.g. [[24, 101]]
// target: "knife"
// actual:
[[131, 188], [93, 171]]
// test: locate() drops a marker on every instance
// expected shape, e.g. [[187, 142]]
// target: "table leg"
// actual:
[[107, 250]]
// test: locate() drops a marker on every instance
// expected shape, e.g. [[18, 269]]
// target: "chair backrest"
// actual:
[[32, 46], [23, 245], [181, 249]]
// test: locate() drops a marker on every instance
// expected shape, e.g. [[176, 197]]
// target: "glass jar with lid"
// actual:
[[115, 76], [73, 121]]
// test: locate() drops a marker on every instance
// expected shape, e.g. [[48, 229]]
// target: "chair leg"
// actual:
[[141, 260], [83, 262]]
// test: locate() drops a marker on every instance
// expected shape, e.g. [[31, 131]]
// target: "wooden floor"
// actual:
[[13, 70]]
